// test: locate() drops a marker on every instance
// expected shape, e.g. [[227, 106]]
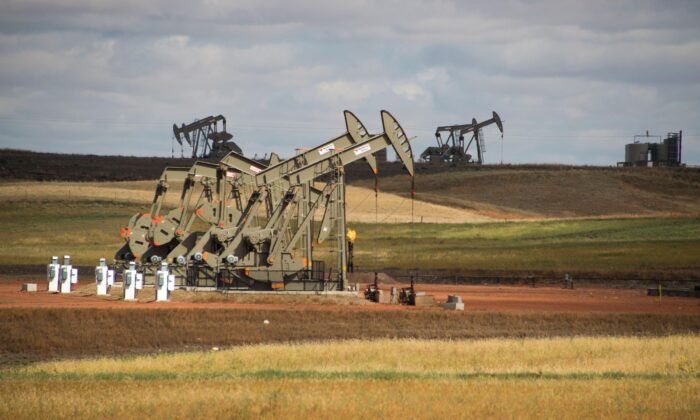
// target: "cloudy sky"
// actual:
[[574, 81]]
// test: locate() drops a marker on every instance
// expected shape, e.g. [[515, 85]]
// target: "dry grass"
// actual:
[[360, 201], [392, 208], [516, 193], [32, 334], [556, 356], [564, 378], [314, 398], [140, 192]]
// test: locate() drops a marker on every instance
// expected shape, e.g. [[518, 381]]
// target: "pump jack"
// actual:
[[205, 139], [151, 237], [264, 254], [453, 149], [267, 243]]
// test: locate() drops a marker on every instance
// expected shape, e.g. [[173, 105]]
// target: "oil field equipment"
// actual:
[[351, 235], [104, 278], [454, 303], [270, 187], [666, 152], [373, 292], [53, 275], [269, 252], [453, 149], [207, 137], [133, 282], [68, 275], [150, 237], [261, 231], [165, 283]]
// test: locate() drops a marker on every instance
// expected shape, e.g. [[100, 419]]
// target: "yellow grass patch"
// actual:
[[567, 378], [662, 355], [360, 205]]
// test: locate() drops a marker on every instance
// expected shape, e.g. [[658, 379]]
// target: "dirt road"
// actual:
[[476, 299]]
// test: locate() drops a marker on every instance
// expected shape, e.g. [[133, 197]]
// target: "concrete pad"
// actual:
[[29, 287], [453, 306]]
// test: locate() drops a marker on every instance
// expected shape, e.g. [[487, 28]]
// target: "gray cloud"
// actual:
[[573, 80]]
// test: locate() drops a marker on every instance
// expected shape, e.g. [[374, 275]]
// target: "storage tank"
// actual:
[[636, 154], [655, 150], [671, 146]]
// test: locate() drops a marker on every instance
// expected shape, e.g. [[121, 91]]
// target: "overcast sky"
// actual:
[[573, 81]]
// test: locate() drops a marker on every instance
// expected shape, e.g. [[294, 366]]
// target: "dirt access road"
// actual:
[[514, 299]]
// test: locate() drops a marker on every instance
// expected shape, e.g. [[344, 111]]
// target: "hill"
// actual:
[[475, 193], [84, 220], [535, 192], [138, 195], [25, 165]]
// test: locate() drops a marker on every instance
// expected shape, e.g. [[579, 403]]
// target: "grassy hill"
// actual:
[[476, 193], [554, 191], [89, 229], [558, 218]]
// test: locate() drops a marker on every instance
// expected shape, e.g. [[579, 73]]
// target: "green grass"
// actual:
[[611, 244], [88, 230]]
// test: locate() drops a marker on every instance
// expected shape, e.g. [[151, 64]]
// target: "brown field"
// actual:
[[38, 325], [36, 334], [477, 298], [460, 195], [545, 192], [360, 208]]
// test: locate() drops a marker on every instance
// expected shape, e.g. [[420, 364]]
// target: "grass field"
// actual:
[[606, 244], [516, 192], [557, 377], [38, 334], [152, 360], [88, 230]]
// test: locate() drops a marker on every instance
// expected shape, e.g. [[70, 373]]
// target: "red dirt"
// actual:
[[554, 299], [476, 298]]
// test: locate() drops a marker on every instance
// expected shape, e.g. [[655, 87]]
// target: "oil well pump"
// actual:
[[263, 234], [207, 137], [150, 237], [453, 149]]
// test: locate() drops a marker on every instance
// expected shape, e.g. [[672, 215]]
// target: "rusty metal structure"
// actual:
[[454, 148]]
